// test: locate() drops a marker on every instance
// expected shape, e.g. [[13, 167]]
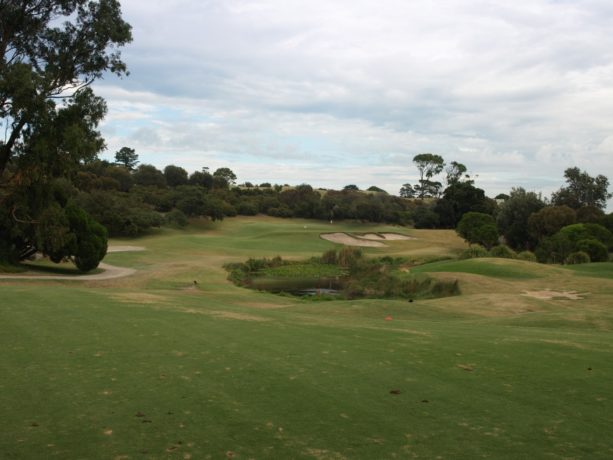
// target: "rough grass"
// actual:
[[154, 366]]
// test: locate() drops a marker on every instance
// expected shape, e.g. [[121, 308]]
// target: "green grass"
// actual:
[[155, 367], [598, 269], [304, 270], [497, 268]]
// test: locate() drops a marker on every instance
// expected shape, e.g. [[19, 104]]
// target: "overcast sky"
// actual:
[[337, 92]]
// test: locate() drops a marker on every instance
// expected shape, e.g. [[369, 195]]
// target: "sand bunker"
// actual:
[[369, 240], [548, 294]]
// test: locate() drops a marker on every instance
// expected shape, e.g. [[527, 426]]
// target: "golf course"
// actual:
[[171, 360]]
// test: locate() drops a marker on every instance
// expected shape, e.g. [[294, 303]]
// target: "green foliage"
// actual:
[[478, 228], [176, 218], [127, 157], [407, 191], [528, 256], [578, 232], [122, 214], [149, 176], [503, 251], [577, 257], [429, 165], [595, 249], [460, 198], [550, 220], [175, 176], [425, 217], [226, 175], [356, 276], [513, 216], [554, 249], [582, 190], [474, 251]]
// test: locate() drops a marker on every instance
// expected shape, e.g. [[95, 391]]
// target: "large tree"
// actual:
[[582, 190], [513, 218], [50, 53], [429, 165]]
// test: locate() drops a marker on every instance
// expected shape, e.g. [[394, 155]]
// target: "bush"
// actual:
[[479, 228], [176, 218], [503, 251], [578, 257], [595, 249], [528, 256], [474, 252]]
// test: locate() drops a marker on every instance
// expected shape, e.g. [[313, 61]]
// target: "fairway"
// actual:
[[176, 362]]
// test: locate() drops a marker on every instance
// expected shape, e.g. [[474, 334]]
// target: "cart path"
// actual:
[[110, 271]]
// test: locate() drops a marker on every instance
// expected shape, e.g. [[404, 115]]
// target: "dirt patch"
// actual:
[[140, 298], [323, 454], [239, 316], [548, 294], [348, 240]]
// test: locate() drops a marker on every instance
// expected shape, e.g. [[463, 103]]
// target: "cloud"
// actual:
[[285, 87]]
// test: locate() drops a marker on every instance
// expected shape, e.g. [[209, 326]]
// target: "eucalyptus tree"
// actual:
[[51, 51]]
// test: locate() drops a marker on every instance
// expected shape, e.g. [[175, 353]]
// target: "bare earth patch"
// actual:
[[369, 240], [239, 316], [548, 294]]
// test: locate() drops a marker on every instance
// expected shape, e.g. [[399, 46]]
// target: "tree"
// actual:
[[549, 221], [44, 59], [175, 176], [455, 171], [512, 219], [460, 198], [51, 51], [227, 174], [582, 190], [127, 157], [374, 188], [407, 191], [478, 228], [351, 187], [149, 175], [201, 178], [429, 165]]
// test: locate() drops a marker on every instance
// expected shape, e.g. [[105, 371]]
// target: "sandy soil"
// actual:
[[371, 240], [348, 240], [110, 271], [548, 294]]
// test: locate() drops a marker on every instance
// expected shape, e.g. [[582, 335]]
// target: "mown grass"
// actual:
[[155, 366], [497, 268]]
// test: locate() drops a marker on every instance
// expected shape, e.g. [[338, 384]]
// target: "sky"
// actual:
[[337, 92]]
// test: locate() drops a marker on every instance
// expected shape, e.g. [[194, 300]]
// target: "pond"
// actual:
[[298, 286]]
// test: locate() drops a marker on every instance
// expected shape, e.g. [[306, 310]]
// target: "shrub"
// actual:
[[595, 249], [528, 256], [473, 252], [578, 257], [479, 228], [329, 257], [176, 218], [503, 251]]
